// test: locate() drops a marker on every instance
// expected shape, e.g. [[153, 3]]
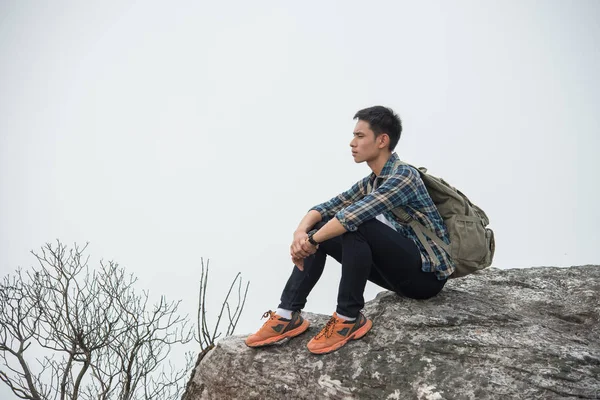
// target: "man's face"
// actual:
[[364, 145]]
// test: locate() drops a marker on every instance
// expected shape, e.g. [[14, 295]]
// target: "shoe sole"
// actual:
[[358, 334], [275, 339]]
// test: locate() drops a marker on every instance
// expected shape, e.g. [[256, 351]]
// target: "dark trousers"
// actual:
[[373, 252]]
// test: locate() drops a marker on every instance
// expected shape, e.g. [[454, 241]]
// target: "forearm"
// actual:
[[309, 220], [330, 230]]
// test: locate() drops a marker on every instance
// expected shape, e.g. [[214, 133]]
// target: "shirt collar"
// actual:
[[388, 168]]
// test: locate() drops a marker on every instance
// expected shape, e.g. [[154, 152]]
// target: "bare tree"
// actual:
[[204, 335], [100, 339]]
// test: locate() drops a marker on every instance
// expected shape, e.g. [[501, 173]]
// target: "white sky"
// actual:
[[165, 132]]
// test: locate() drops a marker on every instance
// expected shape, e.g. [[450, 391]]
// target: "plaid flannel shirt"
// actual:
[[394, 187]]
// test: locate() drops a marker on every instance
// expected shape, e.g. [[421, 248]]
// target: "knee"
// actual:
[[354, 236], [363, 228], [368, 225]]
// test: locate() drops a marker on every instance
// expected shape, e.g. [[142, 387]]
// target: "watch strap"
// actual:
[[310, 237]]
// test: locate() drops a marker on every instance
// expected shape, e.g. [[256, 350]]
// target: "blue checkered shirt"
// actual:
[[399, 186]]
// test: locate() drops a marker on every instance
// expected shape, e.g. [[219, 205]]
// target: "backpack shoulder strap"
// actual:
[[420, 230]]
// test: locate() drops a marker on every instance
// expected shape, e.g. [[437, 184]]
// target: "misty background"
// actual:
[[163, 133]]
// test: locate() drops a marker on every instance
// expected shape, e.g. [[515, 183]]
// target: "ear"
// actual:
[[383, 140]]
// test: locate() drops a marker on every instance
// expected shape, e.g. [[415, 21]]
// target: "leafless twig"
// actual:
[[104, 339], [205, 337]]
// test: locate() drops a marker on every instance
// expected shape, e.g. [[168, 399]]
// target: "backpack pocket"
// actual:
[[491, 246], [468, 241]]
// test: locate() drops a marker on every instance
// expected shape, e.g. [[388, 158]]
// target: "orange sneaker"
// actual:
[[338, 332], [277, 328]]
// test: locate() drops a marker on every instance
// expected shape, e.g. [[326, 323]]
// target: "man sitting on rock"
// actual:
[[358, 229]]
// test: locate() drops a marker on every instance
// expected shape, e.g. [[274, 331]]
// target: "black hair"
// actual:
[[382, 120]]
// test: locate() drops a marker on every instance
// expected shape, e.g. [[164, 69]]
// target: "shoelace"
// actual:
[[270, 314], [328, 329]]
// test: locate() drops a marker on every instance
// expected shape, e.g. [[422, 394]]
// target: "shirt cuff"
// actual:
[[348, 225]]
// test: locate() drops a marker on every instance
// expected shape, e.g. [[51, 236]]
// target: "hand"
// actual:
[[296, 250], [299, 262], [309, 247]]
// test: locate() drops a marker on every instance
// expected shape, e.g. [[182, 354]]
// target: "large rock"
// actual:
[[521, 333]]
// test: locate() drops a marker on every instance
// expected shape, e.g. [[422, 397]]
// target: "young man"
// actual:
[[358, 229]]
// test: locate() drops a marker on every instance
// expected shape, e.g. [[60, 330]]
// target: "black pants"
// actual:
[[373, 252]]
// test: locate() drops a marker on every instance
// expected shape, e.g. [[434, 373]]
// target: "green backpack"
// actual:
[[472, 244]]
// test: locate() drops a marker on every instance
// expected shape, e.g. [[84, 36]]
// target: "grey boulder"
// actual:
[[500, 334]]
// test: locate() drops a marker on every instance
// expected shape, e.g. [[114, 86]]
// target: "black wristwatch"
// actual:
[[310, 238]]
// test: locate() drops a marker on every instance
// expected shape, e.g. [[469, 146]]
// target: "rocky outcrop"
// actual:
[[500, 334]]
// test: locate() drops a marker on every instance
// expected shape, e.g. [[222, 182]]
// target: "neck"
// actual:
[[377, 163]]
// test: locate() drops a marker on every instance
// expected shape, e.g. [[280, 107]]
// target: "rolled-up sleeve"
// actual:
[[397, 190], [329, 208]]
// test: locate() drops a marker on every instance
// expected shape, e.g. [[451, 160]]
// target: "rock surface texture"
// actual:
[[500, 334]]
